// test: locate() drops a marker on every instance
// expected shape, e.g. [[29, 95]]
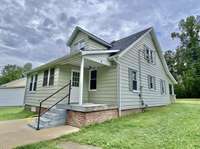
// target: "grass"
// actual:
[[175, 126], [10, 113]]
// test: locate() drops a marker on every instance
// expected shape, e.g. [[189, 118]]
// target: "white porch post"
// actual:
[[81, 82]]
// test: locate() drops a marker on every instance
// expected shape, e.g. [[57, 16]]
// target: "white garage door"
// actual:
[[12, 96]]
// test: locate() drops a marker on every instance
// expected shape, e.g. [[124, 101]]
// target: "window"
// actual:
[[80, 45], [33, 83], [162, 87], [51, 77], [132, 80], [151, 82], [45, 78], [48, 78], [170, 89], [149, 55], [93, 80], [75, 78]]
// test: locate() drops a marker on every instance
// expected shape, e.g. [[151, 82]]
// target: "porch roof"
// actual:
[[93, 58]]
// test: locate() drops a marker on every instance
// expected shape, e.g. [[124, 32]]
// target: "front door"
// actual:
[[74, 96]]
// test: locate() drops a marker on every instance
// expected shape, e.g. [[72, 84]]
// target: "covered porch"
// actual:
[[93, 97], [93, 79]]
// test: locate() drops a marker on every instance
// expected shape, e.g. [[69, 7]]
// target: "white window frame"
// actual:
[[150, 57], [80, 44], [73, 70], [153, 82], [90, 79], [131, 81], [163, 82], [53, 76], [32, 87], [48, 77]]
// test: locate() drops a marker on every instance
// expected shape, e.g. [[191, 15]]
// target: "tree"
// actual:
[[10, 72], [27, 67], [186, 62], [170, 59], [13, 72]]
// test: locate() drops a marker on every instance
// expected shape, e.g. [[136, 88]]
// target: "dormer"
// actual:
[[83, 40]]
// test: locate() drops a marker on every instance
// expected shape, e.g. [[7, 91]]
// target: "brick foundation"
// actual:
[[83, 117], [79, 119]]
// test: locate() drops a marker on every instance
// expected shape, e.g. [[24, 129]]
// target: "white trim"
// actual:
[[137, 80], [75, 70], [32, 91], [92, 90], [81, 81], [48, 77], [98, 52], [158, 49]]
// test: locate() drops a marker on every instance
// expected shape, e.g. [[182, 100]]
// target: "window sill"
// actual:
[[135, 91], [94, 90], [32, 92]]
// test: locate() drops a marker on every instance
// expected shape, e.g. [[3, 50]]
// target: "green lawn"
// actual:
[[9, 113], [175, 126]]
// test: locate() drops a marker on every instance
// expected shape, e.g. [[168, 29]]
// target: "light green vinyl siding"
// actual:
[[90, 44], [33, 98], [106, 91], [62, 77], [130, 59]]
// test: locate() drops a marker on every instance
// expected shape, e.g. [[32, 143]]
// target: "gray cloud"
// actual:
[[36, 30]]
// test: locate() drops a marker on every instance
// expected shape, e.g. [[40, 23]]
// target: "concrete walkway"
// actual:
[[16, 132]]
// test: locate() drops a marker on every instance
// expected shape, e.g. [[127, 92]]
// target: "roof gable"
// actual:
[[91, 36], [138, 37]]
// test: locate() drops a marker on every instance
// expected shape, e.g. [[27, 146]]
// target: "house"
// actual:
[[12, 93], [107, 79]]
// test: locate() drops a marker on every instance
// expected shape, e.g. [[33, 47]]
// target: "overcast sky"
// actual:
[[36, 31]]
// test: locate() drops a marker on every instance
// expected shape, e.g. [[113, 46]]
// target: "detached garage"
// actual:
[[12, 93]]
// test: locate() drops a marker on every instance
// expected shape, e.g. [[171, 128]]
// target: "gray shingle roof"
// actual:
[[123, 43]]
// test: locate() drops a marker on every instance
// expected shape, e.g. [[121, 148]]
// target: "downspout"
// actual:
[[118, 86], [140, 81]]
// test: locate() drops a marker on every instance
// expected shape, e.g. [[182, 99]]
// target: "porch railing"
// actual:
[[40, 113]]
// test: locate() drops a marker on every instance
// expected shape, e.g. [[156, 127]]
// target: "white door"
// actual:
[[74, 96]]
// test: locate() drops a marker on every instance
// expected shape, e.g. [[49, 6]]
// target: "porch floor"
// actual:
[[87, 107]]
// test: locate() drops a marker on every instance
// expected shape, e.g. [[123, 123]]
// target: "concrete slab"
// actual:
[[16, 132], [72, 145]]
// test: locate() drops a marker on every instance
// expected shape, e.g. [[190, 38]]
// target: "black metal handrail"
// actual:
[[43, 112]]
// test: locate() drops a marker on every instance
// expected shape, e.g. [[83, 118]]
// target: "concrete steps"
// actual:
[[52, 118]]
